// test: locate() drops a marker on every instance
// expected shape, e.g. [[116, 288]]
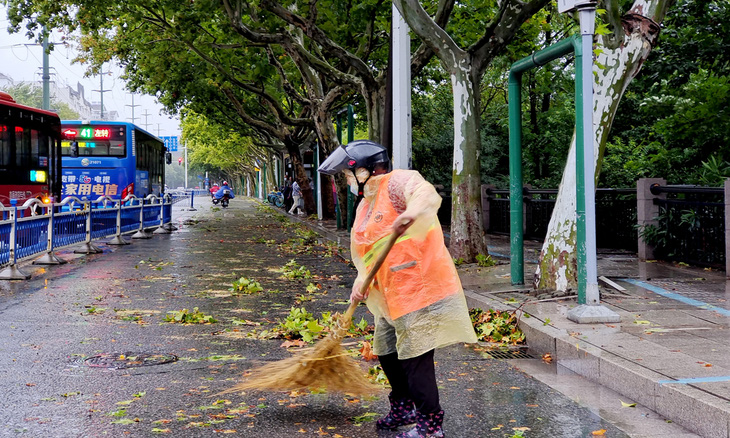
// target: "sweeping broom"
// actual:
[[324, 366]]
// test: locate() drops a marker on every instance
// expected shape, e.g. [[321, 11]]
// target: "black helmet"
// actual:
[[359, 153]]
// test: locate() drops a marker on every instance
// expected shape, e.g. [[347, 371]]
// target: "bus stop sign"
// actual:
[[170, 143]]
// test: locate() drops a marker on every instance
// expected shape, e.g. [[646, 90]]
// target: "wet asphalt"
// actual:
[[59, 330]]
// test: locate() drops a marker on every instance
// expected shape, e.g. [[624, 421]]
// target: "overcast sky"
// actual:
[[23, 61]]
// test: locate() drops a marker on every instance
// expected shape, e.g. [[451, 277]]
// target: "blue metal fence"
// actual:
[[31, 235], [5, 229], [130, 218], [34, 228]]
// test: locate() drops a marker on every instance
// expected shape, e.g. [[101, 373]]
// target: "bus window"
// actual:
[[95, 148], [4, 146], [22, 147]]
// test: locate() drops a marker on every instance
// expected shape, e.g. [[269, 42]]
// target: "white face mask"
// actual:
[[362, 175]]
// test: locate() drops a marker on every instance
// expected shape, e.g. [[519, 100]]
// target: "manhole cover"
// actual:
[[128, 360], [508, 354]]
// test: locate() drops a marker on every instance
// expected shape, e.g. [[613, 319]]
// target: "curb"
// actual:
[[687, 405]]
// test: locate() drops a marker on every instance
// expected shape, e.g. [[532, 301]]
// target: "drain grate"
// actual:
[[128, 360], [508, 354]]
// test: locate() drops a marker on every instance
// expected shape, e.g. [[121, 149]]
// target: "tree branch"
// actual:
[[316, 34]]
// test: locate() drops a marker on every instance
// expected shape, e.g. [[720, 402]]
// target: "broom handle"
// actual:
[[369, 279]]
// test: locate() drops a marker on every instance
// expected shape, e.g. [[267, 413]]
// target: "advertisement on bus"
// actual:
[[93, 182]]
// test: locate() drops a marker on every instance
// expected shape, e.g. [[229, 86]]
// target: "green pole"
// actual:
[[350, 138], [338, 214], [263, 179], [315, 177], [517, 250], [537, 59]]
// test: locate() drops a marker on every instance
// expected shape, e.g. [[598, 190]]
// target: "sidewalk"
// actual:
[[669, 352]]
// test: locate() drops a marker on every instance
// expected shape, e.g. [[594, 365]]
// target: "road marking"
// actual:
[[697, 380], [677, 297]]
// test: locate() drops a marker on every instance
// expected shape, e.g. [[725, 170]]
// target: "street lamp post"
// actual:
[[589, 309]]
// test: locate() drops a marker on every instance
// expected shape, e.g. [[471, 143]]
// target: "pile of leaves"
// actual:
[[485, 261], [496, 326], [246, 285], [302, 325], [186, 316], [294, 271]]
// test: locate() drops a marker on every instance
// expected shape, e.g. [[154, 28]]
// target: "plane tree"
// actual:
[[621, 51], [484, 30]]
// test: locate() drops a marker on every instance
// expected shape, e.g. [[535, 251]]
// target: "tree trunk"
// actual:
[[467, 235], [557, 268], [376, 107]]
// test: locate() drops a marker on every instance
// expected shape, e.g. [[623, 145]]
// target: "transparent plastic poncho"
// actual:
[[437, 324]]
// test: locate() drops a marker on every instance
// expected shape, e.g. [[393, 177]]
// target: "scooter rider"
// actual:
[[222, 191]]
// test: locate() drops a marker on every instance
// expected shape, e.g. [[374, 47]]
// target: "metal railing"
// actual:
[[615, 215], [34, 228], [691, 224]]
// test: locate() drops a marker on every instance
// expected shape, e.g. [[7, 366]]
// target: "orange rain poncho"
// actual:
[[417, 291]]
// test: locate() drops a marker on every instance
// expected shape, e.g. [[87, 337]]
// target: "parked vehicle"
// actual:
[[276, 198]]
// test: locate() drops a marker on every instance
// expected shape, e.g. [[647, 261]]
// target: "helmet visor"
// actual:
[[337, 161]]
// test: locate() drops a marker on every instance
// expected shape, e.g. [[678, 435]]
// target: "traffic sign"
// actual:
[[170, 143]]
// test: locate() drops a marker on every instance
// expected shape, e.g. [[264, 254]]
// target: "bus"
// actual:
[[30, 152], [115, 159]]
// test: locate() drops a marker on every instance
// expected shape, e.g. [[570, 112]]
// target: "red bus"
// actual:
[[30, 152]]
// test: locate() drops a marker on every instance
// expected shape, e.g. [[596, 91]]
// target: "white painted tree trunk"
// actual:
[[467, 235], [557, 268]]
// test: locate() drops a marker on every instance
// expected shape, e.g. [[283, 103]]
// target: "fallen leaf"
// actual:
[[599, 432], [521, 429], [367, 351], [627, 405]]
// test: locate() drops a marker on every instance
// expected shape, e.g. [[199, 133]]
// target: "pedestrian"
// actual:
[[416, 297], [296, 194], [286, 192]]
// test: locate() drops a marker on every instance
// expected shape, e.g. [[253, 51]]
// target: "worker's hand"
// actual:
[[402, 222], [357, 294]]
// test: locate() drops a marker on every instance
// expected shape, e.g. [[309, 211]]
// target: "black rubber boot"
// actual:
[[427, 426], [402, 413]]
